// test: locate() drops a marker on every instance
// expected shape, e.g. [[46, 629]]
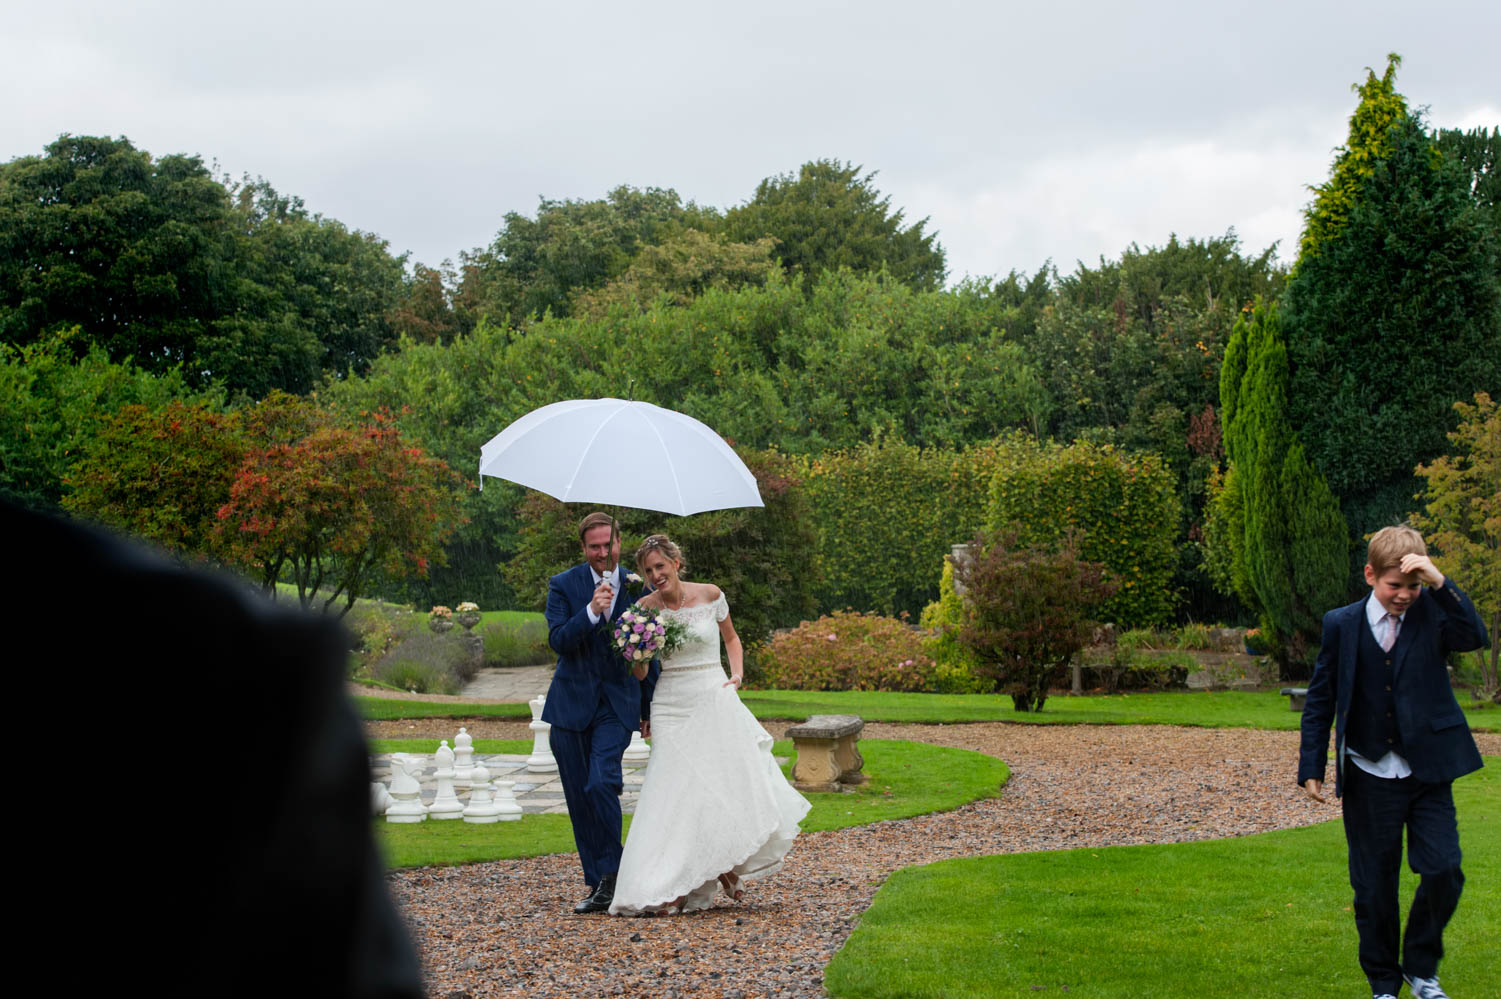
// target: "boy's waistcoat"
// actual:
[[1372, 729]]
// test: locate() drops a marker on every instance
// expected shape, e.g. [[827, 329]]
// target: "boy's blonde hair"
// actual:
[[1389, 544]]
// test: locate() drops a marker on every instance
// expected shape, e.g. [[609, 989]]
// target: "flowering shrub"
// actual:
[[849, 651]]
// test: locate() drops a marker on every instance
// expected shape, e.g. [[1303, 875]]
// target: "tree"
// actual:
[[313, 298], [156, 261], [682, 268], [1380, 109], [537, 266], [1463, 516], [1027, 612], [1287, 539], [137, 251], [1479, 152], [160, 474], [1393, 312], [336, 510], [52, 406], [827, 216]]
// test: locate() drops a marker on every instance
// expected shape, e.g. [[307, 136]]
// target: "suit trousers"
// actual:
[[1376, 810], [589, 768]]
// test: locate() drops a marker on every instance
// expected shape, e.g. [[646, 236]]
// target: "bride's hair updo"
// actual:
[[661, 543]]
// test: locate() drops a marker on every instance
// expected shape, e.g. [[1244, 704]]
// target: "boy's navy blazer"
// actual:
[[1436, 740], [588, 665]]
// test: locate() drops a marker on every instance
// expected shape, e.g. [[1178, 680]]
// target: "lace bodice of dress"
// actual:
[[701, 634]]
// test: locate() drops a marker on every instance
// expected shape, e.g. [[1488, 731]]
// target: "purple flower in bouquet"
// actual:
[[640, 635]]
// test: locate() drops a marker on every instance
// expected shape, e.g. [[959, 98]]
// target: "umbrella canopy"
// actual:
[[620, 453]]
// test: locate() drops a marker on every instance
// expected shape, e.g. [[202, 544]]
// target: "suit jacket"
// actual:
[[1436, 739], [587, 664]]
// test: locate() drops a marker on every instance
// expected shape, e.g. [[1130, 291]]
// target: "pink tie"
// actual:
[[1393, 623]]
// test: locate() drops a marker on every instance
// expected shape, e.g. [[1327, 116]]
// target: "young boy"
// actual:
[[1401, 740]]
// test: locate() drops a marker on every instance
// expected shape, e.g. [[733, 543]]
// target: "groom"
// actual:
[[594, 702]]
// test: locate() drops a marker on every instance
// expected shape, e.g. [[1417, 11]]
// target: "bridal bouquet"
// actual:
[[641, 635]]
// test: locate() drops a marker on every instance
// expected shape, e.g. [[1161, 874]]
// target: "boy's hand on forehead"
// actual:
[[1422, 567]]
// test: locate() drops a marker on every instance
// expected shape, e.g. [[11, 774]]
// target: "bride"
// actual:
[[714, 811]]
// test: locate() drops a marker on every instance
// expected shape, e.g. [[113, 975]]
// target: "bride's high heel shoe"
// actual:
[[730, 882], [673, 908]]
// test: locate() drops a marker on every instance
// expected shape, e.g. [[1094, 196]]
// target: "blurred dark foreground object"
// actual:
[[199, 788]]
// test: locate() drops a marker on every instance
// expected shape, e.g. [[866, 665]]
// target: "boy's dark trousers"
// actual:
[[1376, 811]]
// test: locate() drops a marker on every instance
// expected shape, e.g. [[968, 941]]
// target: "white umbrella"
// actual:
[[620, 453]]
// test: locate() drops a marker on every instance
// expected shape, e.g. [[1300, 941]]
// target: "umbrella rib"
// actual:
[[584, 451], [677, 486]]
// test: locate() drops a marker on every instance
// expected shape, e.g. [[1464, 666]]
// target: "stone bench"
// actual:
[[1295, 697], [828, 758]]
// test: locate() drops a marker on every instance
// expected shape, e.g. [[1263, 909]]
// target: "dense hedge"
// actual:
[[887, 513], [1121, 510]]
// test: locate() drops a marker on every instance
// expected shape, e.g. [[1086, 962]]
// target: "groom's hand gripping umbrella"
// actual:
[[619, 453]]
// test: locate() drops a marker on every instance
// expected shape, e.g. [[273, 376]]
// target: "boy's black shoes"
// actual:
[[1425, 988]]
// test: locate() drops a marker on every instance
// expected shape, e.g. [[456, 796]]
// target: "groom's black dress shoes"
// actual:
[[601, 899]]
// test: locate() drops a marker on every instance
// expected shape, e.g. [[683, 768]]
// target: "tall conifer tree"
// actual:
[[1393, 311], [1281, 522]]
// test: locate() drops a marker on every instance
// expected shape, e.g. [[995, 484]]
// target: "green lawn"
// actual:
[[907, 778], [1265, 915], [1209, 709], [386, 708]]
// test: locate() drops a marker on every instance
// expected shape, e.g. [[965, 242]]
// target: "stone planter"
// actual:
[[438, 625], [467, 620]]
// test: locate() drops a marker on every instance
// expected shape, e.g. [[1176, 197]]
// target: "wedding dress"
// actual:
[[713, 799]]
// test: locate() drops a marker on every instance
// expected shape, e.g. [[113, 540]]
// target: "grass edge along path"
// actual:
[[1267, 914], [1199, 708], [906, 779]]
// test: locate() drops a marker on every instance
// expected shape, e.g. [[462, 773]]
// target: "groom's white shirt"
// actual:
[[614, 578]]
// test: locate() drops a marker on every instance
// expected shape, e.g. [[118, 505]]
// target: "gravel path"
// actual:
[[503, 928]]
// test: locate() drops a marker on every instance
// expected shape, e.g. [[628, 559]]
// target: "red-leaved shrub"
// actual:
[[848, 651]]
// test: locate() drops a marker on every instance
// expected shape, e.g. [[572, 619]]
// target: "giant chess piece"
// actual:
[[638, 751], [481, 809], [380, 798], [541, 761], [505, 800], [406, 789], [463, 760], [446, 804]]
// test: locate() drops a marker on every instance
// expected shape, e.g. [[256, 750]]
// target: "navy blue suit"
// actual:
[[593, 706], [1406, 696]]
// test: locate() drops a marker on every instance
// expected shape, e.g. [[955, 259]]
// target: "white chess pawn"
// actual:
[[638, 751], [505, 800], [463, 760], [446, 804], [481, 809], [406, 789], [541, 761]]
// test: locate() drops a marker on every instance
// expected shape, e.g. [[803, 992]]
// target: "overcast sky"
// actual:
[[1023, 131]]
